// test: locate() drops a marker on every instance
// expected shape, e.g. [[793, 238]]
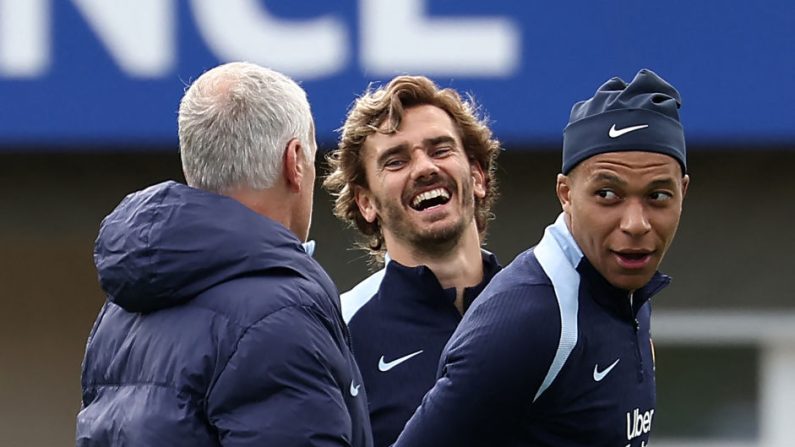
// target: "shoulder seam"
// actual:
[[222, 312]]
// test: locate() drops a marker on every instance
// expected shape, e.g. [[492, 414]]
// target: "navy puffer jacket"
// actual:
[[219, 330]]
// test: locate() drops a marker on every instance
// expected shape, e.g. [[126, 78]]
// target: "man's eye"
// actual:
[[607, 194], [394, 163], [661, 196], [442, 151]]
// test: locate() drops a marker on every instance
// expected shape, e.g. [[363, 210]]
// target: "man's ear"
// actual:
[[563, 191], [478, 179], [365, 203], [685, 184], [294, 165]]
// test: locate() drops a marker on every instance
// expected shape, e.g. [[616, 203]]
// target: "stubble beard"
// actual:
[[432, 242]]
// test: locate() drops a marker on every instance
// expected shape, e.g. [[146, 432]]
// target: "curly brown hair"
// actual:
[[386, 104]]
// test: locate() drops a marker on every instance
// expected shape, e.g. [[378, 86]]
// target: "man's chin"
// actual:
[[439, 237]]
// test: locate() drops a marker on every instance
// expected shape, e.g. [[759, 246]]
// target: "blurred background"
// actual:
[[89, 91]]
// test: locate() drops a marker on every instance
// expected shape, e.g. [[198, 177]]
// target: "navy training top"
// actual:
[[400, 318], [550, 354]]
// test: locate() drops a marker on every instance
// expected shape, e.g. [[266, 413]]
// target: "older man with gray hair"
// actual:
[[219, 329]]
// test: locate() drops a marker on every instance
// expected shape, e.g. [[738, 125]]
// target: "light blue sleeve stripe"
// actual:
[[557, 264], [354, 299]]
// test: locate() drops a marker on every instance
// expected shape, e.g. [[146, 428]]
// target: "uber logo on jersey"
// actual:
[[638, 423]]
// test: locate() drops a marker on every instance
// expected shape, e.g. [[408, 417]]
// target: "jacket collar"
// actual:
[[421, 284]]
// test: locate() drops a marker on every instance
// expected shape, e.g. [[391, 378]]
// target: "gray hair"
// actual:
[[234, 123]]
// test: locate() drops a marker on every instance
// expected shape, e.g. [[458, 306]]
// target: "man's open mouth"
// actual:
[[428, 199], [634, 259]]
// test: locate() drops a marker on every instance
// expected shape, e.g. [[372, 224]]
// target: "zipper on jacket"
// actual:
[[636, 330]]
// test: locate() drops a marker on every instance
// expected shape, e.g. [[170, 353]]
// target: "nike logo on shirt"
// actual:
[[354, 389], [615, 133], [386, 366], [599, 375]]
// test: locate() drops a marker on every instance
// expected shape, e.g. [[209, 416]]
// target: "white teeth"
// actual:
[[427, 195]]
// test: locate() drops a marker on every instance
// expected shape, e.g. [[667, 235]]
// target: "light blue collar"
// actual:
[[309, 247], [560, 231]]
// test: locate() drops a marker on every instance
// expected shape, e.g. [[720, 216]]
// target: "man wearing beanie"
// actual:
[[557, 350]]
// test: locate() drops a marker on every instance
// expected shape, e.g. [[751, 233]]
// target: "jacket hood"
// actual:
[[165, 244]]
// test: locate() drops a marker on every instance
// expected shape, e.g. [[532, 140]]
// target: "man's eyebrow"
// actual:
[[605, 177], [435, 141], [402, 147], [662, 183]]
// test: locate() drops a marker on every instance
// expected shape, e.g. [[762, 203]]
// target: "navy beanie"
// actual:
[[640, 116]]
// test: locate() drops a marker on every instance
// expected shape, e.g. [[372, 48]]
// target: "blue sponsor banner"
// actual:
[[109, 74]]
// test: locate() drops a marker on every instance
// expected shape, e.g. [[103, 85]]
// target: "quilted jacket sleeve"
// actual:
[[283, 385]]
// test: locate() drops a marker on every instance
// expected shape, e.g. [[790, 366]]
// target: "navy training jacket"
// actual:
[[218, 330], [400, 319], [550, 355]]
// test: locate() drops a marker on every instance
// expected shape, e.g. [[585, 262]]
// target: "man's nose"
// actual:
[[423, 166], [634, 220]]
